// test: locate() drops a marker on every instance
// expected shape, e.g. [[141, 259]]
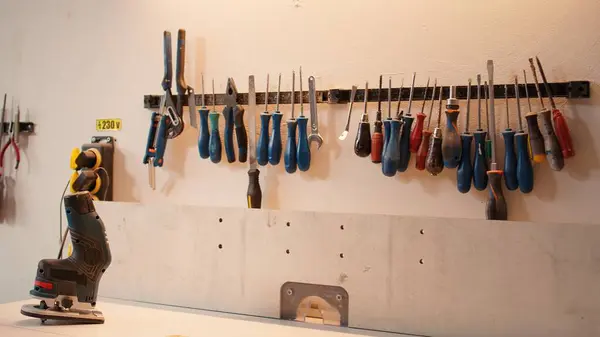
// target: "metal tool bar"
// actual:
[[572, 89], [24, 127]]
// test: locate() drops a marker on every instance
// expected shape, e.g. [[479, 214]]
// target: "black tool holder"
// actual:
[[24, 127], [572, 89]]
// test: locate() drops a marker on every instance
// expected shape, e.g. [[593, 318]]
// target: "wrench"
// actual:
[[314, 119]]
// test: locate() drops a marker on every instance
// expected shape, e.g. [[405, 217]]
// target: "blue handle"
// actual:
[[464, 173], [275, 141], [214, 143], [161, 141], [262, 149], [510, 160], [524, 168], [203, 137], [229, 152], [150, 151], [386, 136], [391, 156], [405, 144], [480, 178], [303, 155], [289, 156]]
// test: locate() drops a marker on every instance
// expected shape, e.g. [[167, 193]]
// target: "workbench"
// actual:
[[125, 318]]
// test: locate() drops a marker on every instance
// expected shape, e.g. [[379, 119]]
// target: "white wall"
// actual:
[[70, 62]]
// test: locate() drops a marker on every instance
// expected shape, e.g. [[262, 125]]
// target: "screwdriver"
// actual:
[[387, 122], [377, 137], [496, 204], [289, 157], [303, 155], [553, 151], [275, 141], [488, 142], [434, 164], [362, 144], [536, 141], [391, 155], [562, 130], [510, 159], [214, 142], [524, 169], [405, 136], [203, 137], [480, 162], [424, 145], [254, 194], [416, 136], [451, 149], [262, 146], [464, 173]]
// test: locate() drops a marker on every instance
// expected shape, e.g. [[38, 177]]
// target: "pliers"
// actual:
[[183, 89], [234, 115], [13, 139]]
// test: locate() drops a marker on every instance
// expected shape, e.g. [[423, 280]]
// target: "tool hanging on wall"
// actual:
[[377, 137], [488, 142], [560, 124], [405, 136], [451, 149], [536, 140], [391, 157], [424, 145], [289, 156], [362, 144], [388, 121], [434, 164], [234, 117], [524, 168], [254, 194], [416, 135], [13, 140], [262, 147], [303, 155], [510, 159], [553, 151], [92, 166], [314, 116], [183, 89], [344, 133], [464, 173], [214, 144], [275, 141], [480, 162], [496, 204], [203, 137]]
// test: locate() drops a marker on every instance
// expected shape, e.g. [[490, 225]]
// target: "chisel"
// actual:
[[262, 146], [434, 164], [214, 142], [524, 168], [405, 136], [254, 194], [536, 140], [562, 130], [388, 121], [362, 143], [480, 162], [377, 137], [303, 155], [553, 151], [416, 136], [510, 159], [203, 137], [451, 149], [464, 173], [275, 140], [391, 156], [496, 204], [289, 156], [424, 146]]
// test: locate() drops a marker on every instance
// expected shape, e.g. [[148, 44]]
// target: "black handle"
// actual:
[[168, 77], [362, 144], [254, 193], [240, 134], [495, 208]]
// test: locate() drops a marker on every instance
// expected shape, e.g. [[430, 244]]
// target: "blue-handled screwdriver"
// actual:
[[204, 135], [303, 155], [275, 141], [262, 146], [289, 156], [510, 159], [214, 142], [524, 167], [405, 135], [464, 173]]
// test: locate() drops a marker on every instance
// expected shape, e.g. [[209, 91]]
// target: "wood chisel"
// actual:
[[496, 204], [303, 155], [553, 152], [464, 173], [254, 194], [524, 168], [183, 89], [262, 147], [424, 145], [536, 140], [480, 162], [434, 164], [391, 157], [416, 136], [275, 140], [377, 137], [405, 136], [214, 142], [451, 149], [560, 124], [362, 143], [510, 158], [289, 155], [203, 137], [344, 133]]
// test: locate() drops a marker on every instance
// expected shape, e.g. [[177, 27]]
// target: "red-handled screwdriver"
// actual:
[[417, 132]]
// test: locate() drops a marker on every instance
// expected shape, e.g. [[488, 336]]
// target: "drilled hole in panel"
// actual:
[[220, 246], [341, 255], [220, 219]]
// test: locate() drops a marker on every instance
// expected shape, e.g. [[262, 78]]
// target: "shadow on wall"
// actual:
[[8, 210], [123, 188]]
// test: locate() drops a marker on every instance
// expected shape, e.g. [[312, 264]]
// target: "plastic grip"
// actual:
[[262, 149], [240, 134], [451, 149], [303, 155], [536, 141], [510, 160], [416, 136], [524, 168], [423, 150], [480, 178], [391, 156], [161, 141], [214, 143], [362, 143], [254, 194], [434, 163], [464, 173], [376, 147], [386, 135], [553, 152], [405, 144], [203, 138], [563, 134], [228, 134], [495, 208], [275, 140], [289, 156], [150, 141]]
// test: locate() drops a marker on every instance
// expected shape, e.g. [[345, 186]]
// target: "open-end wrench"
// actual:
[[314, 118]]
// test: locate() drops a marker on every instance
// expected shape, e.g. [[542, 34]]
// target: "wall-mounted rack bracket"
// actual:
[[24, 127], [571, 89]]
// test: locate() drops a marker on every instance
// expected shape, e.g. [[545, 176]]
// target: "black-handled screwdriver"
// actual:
[[536, 141], [434, 164], [362, 144]]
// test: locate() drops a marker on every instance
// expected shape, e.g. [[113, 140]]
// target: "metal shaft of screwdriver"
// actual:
[[506, 103], [293, 90], [518, 99], [536, 82], [267, 95], [390, 97], [487, 113], [432, 101], [526, 89], [301, 94], [425, 96], [479, 102], [399, 98], [278, 90], [203, 102], [468, 107], [214, 97], [439, 117]]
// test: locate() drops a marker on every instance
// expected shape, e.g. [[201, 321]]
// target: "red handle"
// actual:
[[376, 147], [563, 134], [422, 152], [417, 133]]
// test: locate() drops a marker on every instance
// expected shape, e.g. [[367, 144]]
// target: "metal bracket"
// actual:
[[314, 303], [24, 127]]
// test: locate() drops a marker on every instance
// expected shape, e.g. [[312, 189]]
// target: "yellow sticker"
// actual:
[[112, 124]]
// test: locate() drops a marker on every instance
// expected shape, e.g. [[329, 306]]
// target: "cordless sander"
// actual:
[[68, 288]]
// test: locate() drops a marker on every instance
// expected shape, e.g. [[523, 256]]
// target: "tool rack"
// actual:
[[571, 89]]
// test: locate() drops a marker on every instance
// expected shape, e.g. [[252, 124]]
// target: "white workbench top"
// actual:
[[129, 319]]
